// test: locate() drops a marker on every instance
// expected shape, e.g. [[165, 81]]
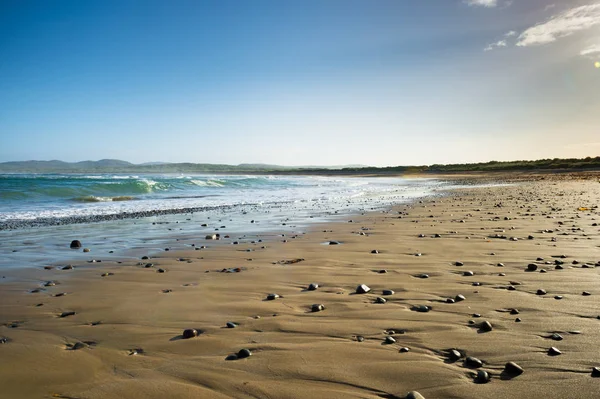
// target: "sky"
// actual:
[[299, 82]]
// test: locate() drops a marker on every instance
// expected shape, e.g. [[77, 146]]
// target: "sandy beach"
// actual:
[[522, 257]]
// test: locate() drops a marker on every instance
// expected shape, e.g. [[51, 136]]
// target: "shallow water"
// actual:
[[251, 207]]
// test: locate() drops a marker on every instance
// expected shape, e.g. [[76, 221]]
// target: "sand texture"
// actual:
[[127, 327]]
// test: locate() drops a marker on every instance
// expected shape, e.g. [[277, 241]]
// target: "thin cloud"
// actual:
[[484, 3], [500, 43], [491, 46], [591, 52], [561, 25]]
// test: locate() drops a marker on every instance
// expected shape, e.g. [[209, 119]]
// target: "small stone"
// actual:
[[86, 250], [556, 337], [459, 297], [271, 297], [231, 324], [360, 338], [511, 288], [586, 293], [313, 286], [374, 251], [380, 300], [459, 264], [362, 289], [414, 395], [190, 333], [450, 300], [500, 264], [476, 315], [473, 362], [553, 351], [382, 271], [518, 320], [388, 292], [486, 326], [532, 267], [482, 377], [514, 311], [559, 297], [424, 275], [596, 372], [558, 267], [244, 353], [317, 307], [404, 349], [66, 314], [541, 292], [67, 267], [422, 308], [454, 355], [513, 369], [78, 345], [476, 284], [75, 244], [390, 340], [468, 273], [334, 243]]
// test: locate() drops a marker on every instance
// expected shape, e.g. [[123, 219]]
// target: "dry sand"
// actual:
[[297, 353]]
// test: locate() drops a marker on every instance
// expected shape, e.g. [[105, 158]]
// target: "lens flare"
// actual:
[[597, 64]]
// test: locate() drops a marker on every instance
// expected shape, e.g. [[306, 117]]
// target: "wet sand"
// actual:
[[129, 319]]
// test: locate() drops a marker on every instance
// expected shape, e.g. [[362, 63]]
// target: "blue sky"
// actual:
[[299, 82]]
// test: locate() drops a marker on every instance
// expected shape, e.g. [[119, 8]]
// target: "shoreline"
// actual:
[[299, 353]]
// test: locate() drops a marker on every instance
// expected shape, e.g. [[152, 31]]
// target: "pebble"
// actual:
[[66, 314], [532, 267], [473, 362], [390, 340], [388, 292], [556, 337], [459, 264], [422, 308], [362, 289], [596, 372], [374, 251], [334, 243], [360, 338], [541, 292], [313, 286], [160, 270], [459, 297], [190, 333], [380, 300], [553, 351], [414, 395], [231, 324], [513, 369], [75, 244], [468, 273], [485, 326], [482, 377], [244, 353], [423, 275], [454, 355], [404, 349], [271, 297], [317, 307], [514, 311]]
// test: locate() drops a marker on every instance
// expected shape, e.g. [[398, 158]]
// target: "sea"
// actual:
[[121, 216]]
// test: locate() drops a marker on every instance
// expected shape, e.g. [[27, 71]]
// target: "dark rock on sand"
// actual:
[[414, 395], [473, 362], [387, 292], [231, 324], [468, 273], [190, 333], [75, 244], [513, 369], [317, 307], [459, 297], [532, 267], [541, 292], [66, 314], [596, 372], [244, 353], [486, 326], [271, 297], [390, 340], [404, 349], [362, 289], [380, 300], [553, 351], [482, 377], [313, 286]]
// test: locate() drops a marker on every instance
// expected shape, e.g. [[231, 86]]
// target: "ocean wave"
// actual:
[[208, 183], [92, 198]]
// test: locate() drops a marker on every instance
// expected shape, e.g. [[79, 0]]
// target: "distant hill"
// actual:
[[117, 166]]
